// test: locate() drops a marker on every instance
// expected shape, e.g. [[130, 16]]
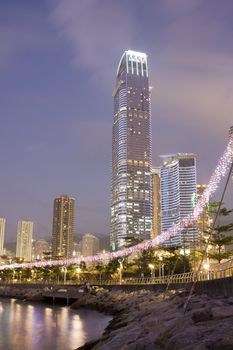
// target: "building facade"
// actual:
[[90, 245], [24, 240], [2, 234], [131, 191], [41, 249], [178, 195], [63, 227], [156, 213]]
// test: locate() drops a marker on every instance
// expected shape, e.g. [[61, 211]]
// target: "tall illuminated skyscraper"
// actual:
[[131, 207], [2, 234], [178, 195], [63, 227], [24, 240]]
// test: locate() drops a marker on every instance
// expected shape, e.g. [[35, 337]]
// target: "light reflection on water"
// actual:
[[36, 326]]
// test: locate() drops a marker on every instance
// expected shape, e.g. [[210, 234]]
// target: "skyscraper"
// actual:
[[131, 207], [178, 195], [24, 240], [2, 234], [63, 227]]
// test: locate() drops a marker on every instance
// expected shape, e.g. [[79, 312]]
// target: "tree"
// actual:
[[175, 262], [112, 266], [218, 239], [100, 268]]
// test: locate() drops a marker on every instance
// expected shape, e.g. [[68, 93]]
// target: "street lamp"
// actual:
[[32, 273], [152, 270], [20, 276], [161, 267], [78, 270], [64, 269], [120, 269], [13, 276], [206, 267]]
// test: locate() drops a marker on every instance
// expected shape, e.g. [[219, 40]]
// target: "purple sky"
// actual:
[[58, 61]]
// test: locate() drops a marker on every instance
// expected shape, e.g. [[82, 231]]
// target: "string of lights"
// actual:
[[220, 171]]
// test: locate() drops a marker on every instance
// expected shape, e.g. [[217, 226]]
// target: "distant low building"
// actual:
[[77, 250], [41, 249], [2, 234], [89, 245]]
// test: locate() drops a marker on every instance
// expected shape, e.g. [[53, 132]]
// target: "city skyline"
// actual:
[[43, 101]]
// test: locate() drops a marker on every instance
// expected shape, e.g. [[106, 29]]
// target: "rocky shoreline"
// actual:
[[143, 320], [25, 293]]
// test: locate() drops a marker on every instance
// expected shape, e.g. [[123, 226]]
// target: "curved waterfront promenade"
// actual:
[[39, 291]]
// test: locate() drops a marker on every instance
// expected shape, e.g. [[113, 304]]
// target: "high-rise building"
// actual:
[[131, 202], [90, 245], [178, 195], [156, 216], [24, 240], [63, 227], [2, 234]]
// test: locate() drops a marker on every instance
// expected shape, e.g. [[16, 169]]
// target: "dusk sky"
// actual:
[[58, 62]]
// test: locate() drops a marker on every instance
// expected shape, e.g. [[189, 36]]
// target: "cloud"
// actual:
[[19, 36], [98, 33]]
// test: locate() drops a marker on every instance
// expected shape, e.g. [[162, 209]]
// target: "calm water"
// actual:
[[25, 326]]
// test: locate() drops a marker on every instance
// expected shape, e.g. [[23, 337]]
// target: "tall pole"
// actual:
[[65, 271], [120, 269]]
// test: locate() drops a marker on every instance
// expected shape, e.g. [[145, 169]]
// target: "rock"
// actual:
[[222, 343], [230, 300], [222, 312], [201, 315]]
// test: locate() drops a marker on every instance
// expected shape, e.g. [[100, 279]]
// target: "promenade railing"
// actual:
[[215, 271]]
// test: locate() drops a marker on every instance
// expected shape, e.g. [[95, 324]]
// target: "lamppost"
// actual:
[[20, 276], [152, 270], [78, 270], [64, 269], [32, 273], [161, 267], [13, 276], [120, 269]]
